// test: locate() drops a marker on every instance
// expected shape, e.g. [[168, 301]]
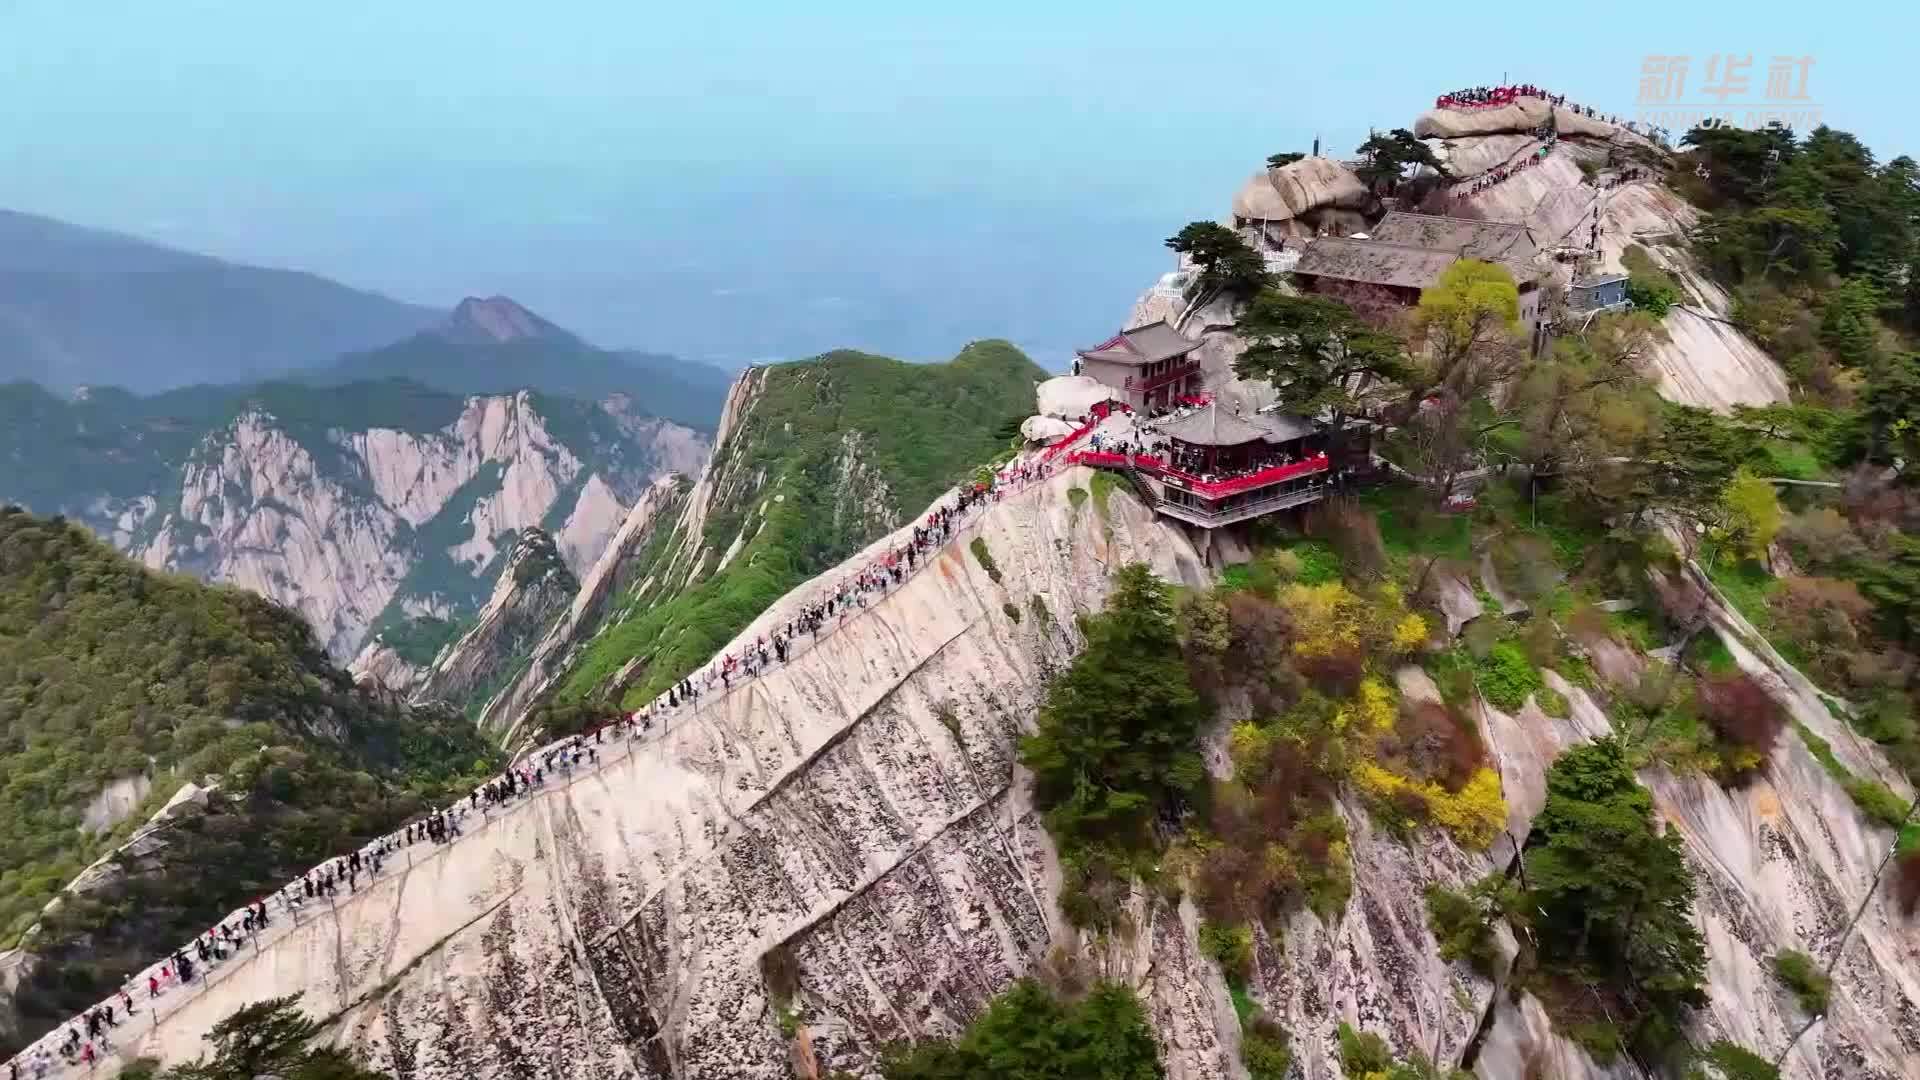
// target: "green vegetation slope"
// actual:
[[828, 455], [111, 672]]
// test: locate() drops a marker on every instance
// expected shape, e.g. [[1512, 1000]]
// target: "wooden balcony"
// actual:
[[1191, 367]]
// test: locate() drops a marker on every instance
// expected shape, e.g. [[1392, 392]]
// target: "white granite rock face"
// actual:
[[328, 530], [861, 808], [827, 806], [380, 664], [533, 589]]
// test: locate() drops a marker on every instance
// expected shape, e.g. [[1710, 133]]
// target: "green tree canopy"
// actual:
[[1610, 895], [1738, 160], [1770, 243], [1849, 321], [112, 672], [1385, 158], [1116, 736], [1586, 403], [1687, 463], [270, 1038], [1318, 354], [1467, 327], [1225, 261], [1029, 1034], [1750, 514], [1891, 409]]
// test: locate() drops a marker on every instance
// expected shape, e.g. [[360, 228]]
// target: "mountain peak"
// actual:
[[497, 320]]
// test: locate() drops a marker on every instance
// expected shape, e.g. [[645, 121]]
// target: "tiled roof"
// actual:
[[1142, 345], [1505, 243], [1213, 426], [1373, 262]]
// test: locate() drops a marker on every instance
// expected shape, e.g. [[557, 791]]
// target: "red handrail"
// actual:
[[1216, 490]]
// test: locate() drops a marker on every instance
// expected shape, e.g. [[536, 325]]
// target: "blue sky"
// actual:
[[738, 180]]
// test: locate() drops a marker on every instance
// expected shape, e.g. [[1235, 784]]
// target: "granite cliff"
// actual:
[[812, 461], [367, 507], [860, 810]]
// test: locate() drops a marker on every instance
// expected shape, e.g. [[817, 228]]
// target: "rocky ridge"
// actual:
[[669, 504], [812, 461], [861, 810], [349, 525], [533, 588], [1704, 360]]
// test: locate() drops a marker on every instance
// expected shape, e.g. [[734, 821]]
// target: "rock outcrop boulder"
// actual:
[[1297, 189], [1524, 114], [1045, 429], [1068, 397]]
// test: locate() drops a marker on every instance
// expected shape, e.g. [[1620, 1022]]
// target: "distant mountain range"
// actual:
[[361, 506], [495, 346], [366, 491], [83, 307], [87, 307]]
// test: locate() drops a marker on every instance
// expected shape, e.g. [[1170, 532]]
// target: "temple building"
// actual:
[[1209, 467], [1148, 367], [1407, 252]]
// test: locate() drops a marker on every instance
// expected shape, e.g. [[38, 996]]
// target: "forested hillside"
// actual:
[[829, 454], [1819, 244], [114, 673]]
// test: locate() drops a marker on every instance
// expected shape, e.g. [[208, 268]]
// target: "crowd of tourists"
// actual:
[[1143, 440], [1194, 463], [1488, 97], [1624, 177], [88, 1038], [849, 596], [1492, 97], [1500, 175]]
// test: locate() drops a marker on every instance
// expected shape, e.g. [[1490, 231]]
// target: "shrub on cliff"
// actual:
[[1610, 895], [1028, 1032], [271, 1038], [1117, 734]]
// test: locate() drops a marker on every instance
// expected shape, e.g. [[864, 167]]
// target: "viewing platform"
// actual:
[[1205, 466]]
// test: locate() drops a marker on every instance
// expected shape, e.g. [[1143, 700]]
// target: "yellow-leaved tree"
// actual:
[[1467, 334], [1328, 618], [1750, 514]]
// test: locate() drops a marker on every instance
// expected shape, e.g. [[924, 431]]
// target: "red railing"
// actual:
[[1164, 377], [1078, 433], [1101, 410], [1190, 482]]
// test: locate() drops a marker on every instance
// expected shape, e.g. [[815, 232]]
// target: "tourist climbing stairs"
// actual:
[[1140, 484]]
